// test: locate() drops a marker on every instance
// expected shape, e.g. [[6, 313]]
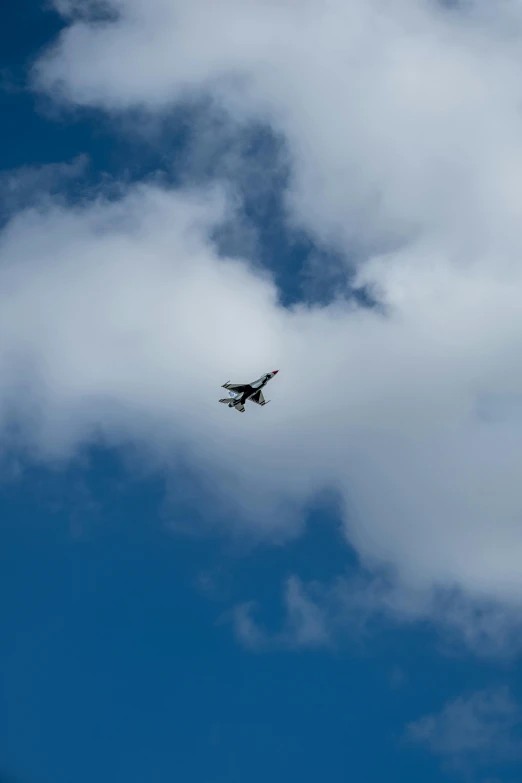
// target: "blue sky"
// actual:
[[116, 661], [122, 651]]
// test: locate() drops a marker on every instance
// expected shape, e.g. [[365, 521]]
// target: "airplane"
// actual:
[[240, 393]]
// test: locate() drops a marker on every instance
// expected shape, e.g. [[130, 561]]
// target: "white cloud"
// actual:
[[401, 119], [403, 126], [479, 727]]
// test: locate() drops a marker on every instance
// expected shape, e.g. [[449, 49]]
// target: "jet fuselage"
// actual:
[[241, 392], [252, 388]]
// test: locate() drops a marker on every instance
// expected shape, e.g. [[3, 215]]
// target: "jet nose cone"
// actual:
[[274, 372]]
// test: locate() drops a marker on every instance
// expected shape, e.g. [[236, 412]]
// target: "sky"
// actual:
[[327, 588]]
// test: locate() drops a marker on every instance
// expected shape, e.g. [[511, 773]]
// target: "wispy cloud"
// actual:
[[29, 186], [354, 608], [304, 623], [479, 728]]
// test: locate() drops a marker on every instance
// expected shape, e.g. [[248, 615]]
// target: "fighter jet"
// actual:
[[239, 393]]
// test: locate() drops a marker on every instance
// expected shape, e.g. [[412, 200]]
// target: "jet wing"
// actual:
[[258, 398], [237, 387]]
